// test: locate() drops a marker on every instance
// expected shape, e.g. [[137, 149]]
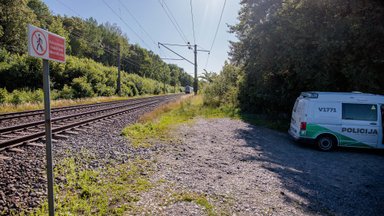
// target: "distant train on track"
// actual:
[[188, 89]]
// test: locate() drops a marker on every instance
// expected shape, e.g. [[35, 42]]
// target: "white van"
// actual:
[[330, 119]]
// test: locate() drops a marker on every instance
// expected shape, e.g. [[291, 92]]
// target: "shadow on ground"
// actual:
[[343, 182]]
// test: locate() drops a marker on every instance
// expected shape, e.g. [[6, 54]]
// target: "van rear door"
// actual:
[[360, 125], [297, 117]]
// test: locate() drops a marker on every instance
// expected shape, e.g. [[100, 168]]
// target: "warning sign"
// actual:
[[46, 45]]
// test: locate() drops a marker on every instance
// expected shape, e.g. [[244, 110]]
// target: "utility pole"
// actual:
[[195, 50], [195, 82], [164, 82], [118, 71]]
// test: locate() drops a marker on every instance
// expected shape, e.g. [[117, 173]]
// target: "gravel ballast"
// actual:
[[248, 170], [23, 177]]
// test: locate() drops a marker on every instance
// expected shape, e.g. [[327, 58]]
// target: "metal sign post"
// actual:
[[48, 136], [48, 46]]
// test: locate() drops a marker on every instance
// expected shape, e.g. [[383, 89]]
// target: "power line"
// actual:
[[217, 29], [137, 22], [193, 23], [175, 53], [218, 25], [106, 49], [68, 8], [173, 21], [126, 23]]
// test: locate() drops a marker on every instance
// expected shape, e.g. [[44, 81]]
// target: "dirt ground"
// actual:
[[242, 169]]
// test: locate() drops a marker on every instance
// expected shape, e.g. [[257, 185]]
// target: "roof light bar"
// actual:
[[310, 95]]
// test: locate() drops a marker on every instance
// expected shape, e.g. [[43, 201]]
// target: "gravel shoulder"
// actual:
[[248, 170]]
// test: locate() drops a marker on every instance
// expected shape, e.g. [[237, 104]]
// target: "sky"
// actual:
[[146, 23]]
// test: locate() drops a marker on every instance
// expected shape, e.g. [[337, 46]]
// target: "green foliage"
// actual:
[[82, 88], [77, 78], [286, 47], [222, 89], [3, 95], [21, 96], [66, 93], [87, 42]]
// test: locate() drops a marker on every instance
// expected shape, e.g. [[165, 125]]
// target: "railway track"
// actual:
[[6, 118], [79, 120]]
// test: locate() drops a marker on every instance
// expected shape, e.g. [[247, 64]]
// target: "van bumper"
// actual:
[[299, 139]]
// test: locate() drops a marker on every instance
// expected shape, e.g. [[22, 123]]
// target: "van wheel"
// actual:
[[326, 143]]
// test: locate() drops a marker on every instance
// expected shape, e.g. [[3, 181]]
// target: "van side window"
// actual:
[[363, 112]]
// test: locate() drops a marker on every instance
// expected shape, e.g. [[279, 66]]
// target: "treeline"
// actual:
[[77, 78], [87, 43], [286, 47]]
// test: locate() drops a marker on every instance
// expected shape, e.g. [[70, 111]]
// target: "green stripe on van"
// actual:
[[314, 130]]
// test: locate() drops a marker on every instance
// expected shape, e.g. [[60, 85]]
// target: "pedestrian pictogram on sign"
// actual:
[[46, 45], [39, 42]]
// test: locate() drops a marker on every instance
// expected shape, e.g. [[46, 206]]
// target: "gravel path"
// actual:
[[23, 178], [238, 168], [247, 170]]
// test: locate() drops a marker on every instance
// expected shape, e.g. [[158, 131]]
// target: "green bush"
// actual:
[[82, 88], [3, 95], [79, 77], [66, 93]]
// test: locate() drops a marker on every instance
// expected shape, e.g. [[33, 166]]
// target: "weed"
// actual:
[[199, 199], [108, 191]]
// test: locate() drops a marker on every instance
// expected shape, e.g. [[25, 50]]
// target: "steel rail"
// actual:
[[20, 140], [36, 123], [13, 115]]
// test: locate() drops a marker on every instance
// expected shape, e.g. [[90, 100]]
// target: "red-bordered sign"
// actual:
[[39, 42], [46, 45]]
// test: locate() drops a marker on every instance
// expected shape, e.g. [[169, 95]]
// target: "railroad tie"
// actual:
[[3, 157], [53, 140], [60, 136], [79, 129], [7, 136], [16, 150], [71, 132], [35, 144]]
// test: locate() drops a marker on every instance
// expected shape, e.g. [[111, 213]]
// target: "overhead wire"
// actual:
[[65, 5], [137, 22], [217, 29], [109, 50], [137, 35], [113, 51], [174, 22]]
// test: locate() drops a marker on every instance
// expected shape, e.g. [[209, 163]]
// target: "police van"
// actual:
[[330, 119]]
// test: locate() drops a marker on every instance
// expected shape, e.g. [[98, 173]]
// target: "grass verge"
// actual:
[[157, 124], [109, 191]]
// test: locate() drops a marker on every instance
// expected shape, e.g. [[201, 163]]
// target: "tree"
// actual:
[[301, 45], [15, 15]]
